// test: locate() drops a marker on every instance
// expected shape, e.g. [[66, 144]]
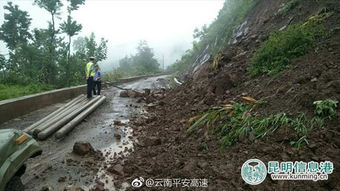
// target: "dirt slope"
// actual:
[[172, 152]]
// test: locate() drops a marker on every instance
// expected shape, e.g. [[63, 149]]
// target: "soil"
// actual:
[[166, 150], [83, 158], [154, 142]]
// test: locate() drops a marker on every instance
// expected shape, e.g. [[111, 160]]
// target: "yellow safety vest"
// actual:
[[89, 70]]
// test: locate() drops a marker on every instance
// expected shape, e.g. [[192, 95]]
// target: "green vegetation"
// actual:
[[217, 34], [142, 63], [43, 56], [335, 30], [287, 7], [326, 108], [13, 91], [232, 122], [113, 75], [282, 46]]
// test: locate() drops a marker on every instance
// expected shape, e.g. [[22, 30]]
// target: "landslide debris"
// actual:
[[166, 149]]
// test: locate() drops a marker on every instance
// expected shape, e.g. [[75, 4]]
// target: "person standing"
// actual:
[[89, 76], [97, 80]]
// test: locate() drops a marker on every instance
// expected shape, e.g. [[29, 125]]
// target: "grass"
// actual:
[[287, 7], [282, 47], [232, 122], [276, 54], [13, 91]]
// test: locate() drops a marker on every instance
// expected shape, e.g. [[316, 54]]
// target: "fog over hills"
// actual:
[[167, 26]]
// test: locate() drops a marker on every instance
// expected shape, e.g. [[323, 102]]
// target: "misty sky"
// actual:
[[167, 25]]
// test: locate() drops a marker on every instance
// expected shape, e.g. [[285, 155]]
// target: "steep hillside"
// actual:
[[285, 71]]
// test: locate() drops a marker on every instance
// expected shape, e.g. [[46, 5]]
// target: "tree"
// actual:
[[90, 44], [53, 7], [101, 50], [143, 62], [200, 34], [15, 33], [79, 45], [87, 47], [144, 58], [15, 29], [3, 68], [84, 47], [2, 63], [74, 5], [212, 38], [126, 66], [41, 55], [71, 28]]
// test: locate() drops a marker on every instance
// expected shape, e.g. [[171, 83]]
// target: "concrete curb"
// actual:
[[13, 108]]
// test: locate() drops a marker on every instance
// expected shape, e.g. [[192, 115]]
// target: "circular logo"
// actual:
[[138, 182], [254, 171]]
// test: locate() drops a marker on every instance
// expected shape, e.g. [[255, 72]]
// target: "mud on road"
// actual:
[[106, 129]]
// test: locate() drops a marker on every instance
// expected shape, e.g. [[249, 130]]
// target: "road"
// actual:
[[58, 168]]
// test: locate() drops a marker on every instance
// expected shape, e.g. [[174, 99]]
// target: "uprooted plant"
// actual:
[[232, 121], [326, 108]]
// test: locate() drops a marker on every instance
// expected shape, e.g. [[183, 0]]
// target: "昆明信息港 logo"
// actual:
[[254, 171]]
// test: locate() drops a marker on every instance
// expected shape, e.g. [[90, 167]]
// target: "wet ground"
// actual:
[[58, 168]]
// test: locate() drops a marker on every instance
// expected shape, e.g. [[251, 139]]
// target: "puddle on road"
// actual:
[[122, 142], [121, 147], [98, 129]]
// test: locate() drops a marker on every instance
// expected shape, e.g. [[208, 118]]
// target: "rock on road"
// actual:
[[58, 168]]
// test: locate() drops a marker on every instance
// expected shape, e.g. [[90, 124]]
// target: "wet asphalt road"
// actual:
[[97, 129]]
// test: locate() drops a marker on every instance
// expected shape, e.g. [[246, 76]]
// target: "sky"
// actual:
[[167, 25]]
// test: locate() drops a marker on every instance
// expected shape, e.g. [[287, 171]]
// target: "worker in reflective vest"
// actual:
[[89, 76]]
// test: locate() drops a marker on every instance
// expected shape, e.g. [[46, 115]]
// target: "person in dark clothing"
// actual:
[[97, 80], [89, 70]]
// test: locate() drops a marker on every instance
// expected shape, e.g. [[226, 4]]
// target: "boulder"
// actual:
[[123, 93], [116, 169], [131, 94], [82, 148], [152, 141], [118, 123], [147, 91], [62, 179], [134, 94], [117, 136], [221, 84]]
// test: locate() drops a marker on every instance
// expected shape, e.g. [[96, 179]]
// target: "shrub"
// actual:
[[283, 46], [114, 75], [13, 91]]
